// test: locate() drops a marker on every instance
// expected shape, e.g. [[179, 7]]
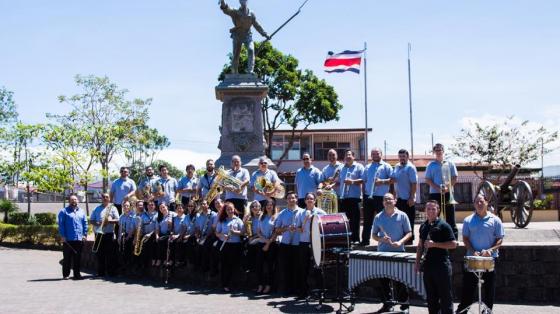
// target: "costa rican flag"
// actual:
[[347, 60]]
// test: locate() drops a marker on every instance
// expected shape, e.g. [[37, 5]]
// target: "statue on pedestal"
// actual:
[[243, 19]]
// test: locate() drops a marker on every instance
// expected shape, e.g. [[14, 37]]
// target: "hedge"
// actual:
[[34, 234]]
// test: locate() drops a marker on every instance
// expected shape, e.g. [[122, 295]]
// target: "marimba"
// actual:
[[398, 266]]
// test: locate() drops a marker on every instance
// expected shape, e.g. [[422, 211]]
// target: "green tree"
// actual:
[[502, 144], [296, 98], [102, 111], [144, 145], [52, 175], [173, 171], [8, 108]]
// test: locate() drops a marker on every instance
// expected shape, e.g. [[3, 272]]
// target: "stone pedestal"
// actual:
[[242, 124]]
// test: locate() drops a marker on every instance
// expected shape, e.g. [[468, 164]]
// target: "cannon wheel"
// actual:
[[488, 189], [521, 204]]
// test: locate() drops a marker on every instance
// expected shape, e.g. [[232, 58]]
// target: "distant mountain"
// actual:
[[551, 171]]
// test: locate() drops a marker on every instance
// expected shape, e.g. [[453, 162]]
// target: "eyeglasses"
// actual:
[[263, 163], [305, 158]]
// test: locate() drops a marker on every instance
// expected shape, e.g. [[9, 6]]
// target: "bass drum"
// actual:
[[328, 232]]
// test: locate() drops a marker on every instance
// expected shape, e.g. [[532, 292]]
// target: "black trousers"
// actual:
[[229, 258], [449, 211], [71, 254], [266, 262], [303, 265], [106, 262], [372, 206], [125, 250], [410, 212], [239, 204], [469, 293], [351, 206], [287, 255], [251, 257], [400, 293], [118, 225], [149, 250], [162, 243], [437, 280], [206, 257]]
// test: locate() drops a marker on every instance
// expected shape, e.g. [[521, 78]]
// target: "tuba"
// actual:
[[263, 185]]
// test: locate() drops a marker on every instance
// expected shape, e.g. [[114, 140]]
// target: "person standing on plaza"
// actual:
[[391, 230], [483, 234], [144, 191], [121, 189], [72, 227], [405, 178], [307, 179], [205, 184], [103, 219], [238, 196], [432, 257], [165, 189], [434, 178], [264, 174], [350, 183], [377, 180], [187, 186]]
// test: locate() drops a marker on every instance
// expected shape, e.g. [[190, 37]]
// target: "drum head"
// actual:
[[316, 240]]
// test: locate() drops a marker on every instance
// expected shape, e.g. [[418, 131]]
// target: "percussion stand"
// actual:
[[340, 297], [318, 294], [482, 308]]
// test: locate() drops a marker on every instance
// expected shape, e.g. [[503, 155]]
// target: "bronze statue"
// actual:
[[243, 19]]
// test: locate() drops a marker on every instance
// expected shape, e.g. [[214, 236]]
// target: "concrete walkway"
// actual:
[[30, 282]]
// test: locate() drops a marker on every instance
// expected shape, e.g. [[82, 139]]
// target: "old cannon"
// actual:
[[518, 198]]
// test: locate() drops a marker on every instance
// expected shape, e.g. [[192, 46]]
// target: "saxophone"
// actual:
[[138, 239]]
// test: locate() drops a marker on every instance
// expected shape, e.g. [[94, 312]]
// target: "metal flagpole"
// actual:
[[410, 106], [365, 105]]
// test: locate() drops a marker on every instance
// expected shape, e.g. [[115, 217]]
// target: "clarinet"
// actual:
[[168, 258]]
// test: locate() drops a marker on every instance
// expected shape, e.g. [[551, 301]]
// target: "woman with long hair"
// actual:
[[229, 230], [266, 251]]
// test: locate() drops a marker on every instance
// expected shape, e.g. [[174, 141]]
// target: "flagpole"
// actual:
[[365, 106], [410, 105]]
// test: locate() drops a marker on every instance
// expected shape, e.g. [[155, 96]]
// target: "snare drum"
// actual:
[[328, 232], [479, 263]]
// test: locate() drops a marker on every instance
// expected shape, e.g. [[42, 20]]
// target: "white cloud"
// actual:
[[181, 157]]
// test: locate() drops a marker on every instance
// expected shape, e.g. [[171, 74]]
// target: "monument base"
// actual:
[[242, 125]]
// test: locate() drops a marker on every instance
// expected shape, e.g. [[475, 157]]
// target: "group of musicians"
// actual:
[[173, 223]]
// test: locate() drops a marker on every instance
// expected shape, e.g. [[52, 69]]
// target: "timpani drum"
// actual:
[[328, 232], [479, 263]]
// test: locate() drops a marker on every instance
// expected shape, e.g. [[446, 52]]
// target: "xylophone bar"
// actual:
[[398, 266]]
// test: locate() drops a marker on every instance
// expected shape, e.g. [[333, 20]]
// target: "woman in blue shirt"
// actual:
[[252, 238], [266, 252], [229, 230]]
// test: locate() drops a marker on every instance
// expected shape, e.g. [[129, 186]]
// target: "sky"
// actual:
[[471, 61]]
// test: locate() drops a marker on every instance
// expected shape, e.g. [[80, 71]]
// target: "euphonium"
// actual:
[[263, 185], [328, 201], [227, 181]]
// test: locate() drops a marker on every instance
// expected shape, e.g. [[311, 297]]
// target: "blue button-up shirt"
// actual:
[[179, 223], [404, 177], [187, 183], [98, 214], [242, 175], [286, 218], [354, 172], [72, 223], [434, 173], [205, 183], [307, 180], [121, 188], [395, 226], [483, 232], [126, 222], [234, 223], [204, 222], [169, 186], [163, 226], [329, 171], [266, 227], [270, 175], [373, 171], [149, 221], [303, 220]]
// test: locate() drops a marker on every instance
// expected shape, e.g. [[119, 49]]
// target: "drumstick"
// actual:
[[70, 247], [385, 233]]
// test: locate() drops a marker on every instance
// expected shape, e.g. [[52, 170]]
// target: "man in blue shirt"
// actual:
[[391, 230], [165, 189], [307, 179], [238, 197], [144, 191], [405, 178], [483, 234], [121, 189], [261, 194], [72, 227], [187, 186], [350, 183], [434, 178], [205, 184], [377, 180]]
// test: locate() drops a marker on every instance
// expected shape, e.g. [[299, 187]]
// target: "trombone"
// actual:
[[446, 182]]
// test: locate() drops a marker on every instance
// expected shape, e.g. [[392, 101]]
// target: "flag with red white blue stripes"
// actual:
[[347, 60]]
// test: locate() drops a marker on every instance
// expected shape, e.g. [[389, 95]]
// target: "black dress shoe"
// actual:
[[77, 278]]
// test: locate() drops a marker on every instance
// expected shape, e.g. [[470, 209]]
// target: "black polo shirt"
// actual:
[[439, 231]]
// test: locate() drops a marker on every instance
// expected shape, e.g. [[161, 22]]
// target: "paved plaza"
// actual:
[[30, 282]]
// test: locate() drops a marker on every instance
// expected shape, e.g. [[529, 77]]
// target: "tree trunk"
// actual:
[[105, 169], [87, 201]]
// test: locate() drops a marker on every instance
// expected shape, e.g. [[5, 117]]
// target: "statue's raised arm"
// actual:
[[243, 19]]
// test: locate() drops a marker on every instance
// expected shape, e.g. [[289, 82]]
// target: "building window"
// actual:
[[280, 143], [321, 149]]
